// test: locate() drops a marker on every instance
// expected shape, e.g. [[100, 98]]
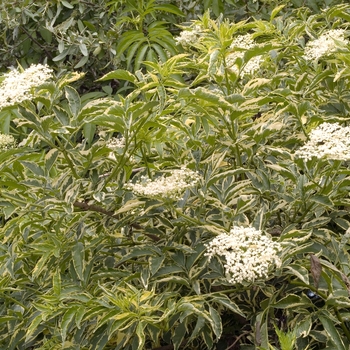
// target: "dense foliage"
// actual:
[[174, 181]]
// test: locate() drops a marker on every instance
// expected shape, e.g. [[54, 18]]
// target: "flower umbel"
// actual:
[[17, 86], [7, 141], [328, 140], [326, 44], [190, 37], [171, 187], [248, 254]]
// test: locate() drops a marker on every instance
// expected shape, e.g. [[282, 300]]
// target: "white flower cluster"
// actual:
[[249, 255], [327, 43], [245, 42], [7, 141], [115, 144], [17, 86], [189, 37], [328, 140], [171, 187]]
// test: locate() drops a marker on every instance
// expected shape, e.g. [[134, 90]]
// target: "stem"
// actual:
[[226, 78], [144, 157], [302, 126], [96, 208], [312, 288], [342, 325], [66, 157], [120, 164], [305, 212], [237, 339], [126, 147]]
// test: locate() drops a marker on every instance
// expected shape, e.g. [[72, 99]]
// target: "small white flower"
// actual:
[[165, 187], [245, 42], [328, 140], [189, 37], [326, 44], [116, 143], [248, 254], [17, 86], [7, 141]]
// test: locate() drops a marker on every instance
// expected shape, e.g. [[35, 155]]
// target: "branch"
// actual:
[[36, 42], [97, 209]]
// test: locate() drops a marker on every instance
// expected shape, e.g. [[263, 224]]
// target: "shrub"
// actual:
[[135, 219]]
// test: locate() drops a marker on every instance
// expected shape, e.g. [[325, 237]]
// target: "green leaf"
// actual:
[[299, 271], [50, 158], [160, 52], [207, 336], [80, 313], [83, 49], [178, 335], [226, 302], [33, 327], [129, 38], [56, 283], [214, 179], [318, 222], [120, 74], [89, 130], [214, 229], [61, 56], [66, 320], [61, 115], [155, 262], [78, 259], [140, 56], [130, 205], [275, 11], [303, 328], [175, 280], [138, 252], [46, 34], [70, 78], [81, 62], [168, 8], [321, 199], [205, 95], [41, 264], [215, 322], [261, 333], [283, 171], [332, 332], [254, 84], [292, 301], [140, 335], [67, 4], [286, 339], [168, 270], [199, 326], [73, 100]]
